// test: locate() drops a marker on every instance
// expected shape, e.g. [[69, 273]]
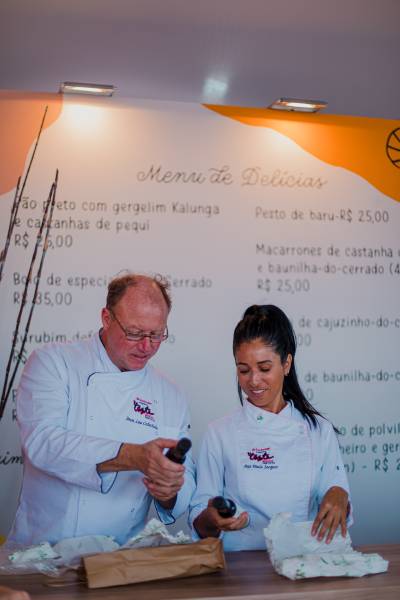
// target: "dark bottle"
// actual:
[[226, 508], [178, 453]]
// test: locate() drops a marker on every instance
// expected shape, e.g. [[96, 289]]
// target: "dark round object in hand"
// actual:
[[178, 453], [226, 508]]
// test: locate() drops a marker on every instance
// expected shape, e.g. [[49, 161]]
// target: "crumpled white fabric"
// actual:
[[33, 553], [296, 554], [72, 548], [155, 534], [330, 564], [48, 559]]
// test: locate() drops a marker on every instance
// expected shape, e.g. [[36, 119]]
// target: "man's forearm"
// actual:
[[127, 459], [162, 477]]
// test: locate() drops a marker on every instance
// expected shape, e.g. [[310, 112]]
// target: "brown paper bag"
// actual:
[[148, 564]]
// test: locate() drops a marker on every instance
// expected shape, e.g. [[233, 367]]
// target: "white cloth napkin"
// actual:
[[33, 553], [155, 534], [72, 548], [49, 559], [296, 554]]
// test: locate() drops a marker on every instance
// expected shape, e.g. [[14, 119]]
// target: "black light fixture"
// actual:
[[298, 104], [93, 89]]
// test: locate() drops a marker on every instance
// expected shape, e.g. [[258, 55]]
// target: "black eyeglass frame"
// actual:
[[155, 338]]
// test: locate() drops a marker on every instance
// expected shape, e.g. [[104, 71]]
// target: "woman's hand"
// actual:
[[209, 523], [332, 513]]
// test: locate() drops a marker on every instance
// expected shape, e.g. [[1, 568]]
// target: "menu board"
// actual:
[[232, 215]]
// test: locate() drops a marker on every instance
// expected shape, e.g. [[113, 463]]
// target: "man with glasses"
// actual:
[[95, 419]]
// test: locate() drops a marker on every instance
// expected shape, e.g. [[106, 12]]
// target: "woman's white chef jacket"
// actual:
[[267, 463], [74, 408]]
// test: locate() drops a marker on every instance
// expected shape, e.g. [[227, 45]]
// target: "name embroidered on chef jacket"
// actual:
[[260, 458], [142, 408]]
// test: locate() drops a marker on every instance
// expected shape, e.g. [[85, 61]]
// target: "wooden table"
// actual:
[[249, 576]]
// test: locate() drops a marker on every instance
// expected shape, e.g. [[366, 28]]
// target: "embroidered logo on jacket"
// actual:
[[143, 408], [142, 413], [260, 458]]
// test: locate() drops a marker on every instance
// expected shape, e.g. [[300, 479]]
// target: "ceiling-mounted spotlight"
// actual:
[[298, 104], [94, 89]]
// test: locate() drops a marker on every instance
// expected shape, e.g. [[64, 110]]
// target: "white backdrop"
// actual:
[[232, 215]]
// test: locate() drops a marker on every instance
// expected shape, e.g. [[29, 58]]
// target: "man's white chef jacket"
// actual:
[[74, 409]]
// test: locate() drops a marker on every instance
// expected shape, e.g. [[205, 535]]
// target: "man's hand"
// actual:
[[209, 523], [332, 513], [163, 478]]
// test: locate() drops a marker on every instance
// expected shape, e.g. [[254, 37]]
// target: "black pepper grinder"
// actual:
[[226, 508], [178, 453]]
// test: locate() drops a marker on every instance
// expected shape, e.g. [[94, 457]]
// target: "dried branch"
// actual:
[[14, 211], [50, 201], [37, 278]]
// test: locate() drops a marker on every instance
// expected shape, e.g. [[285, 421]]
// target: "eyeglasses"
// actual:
[[138, 336]]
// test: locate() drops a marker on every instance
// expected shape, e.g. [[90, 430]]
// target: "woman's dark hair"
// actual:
[[270, 324]]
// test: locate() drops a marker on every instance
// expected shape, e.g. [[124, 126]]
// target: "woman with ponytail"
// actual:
[[275, 453]]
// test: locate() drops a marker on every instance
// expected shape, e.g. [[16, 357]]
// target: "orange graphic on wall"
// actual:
[[21, 115], [368, 147]]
